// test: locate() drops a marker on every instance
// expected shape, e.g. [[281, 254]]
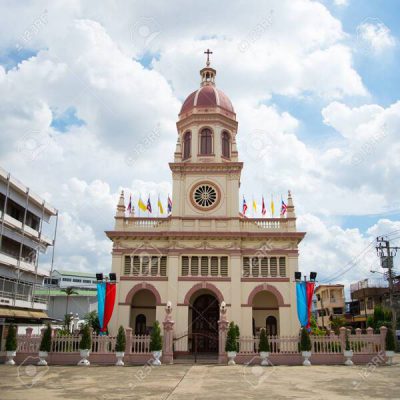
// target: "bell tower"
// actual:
[[206, 171]]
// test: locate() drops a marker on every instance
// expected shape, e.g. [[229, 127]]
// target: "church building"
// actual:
[[206, 252]]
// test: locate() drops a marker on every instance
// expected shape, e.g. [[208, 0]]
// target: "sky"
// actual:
[[90, 95]]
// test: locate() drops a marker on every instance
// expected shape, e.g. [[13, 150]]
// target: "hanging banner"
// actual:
[[302, 310], [101, 297], [109, 306], [310, 293]]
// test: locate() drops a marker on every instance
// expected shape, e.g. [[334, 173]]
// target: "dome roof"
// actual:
[[207, 96]]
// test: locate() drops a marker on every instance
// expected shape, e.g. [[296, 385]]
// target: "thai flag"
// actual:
[[169, 205], [283, 208], [129, 208], [149, 205], [263, 209], [244, 206]]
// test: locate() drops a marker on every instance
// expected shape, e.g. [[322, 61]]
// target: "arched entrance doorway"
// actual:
[[203, 320], [265, 310], [143, 312]]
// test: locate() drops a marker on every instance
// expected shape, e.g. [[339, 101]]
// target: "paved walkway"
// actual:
[[199, 382]]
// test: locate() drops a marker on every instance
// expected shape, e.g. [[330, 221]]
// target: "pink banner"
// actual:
[[109, 306], [310, 293]]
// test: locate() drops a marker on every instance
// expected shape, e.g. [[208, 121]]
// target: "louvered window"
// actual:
[[282, 266], [194, 268], [204, 266], [224, 266], [214, 266], [255, 267], [264, 267], [154, 266], [127, 265], [163, 266], [136, 265], [246, 266], [185, 266], [273, 266]]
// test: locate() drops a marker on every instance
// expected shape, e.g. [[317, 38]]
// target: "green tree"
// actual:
[[264, 345], [92, 319], [390, 340], [337, 323], [305, 341], [347, 341], [69, 291], [121, 340], [45, 344], [382, 317], [86, 339], [315, 330], [237, 332], [156, 338], [11, 340], [231, 342]]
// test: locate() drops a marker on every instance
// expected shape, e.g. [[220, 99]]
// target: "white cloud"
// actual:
[[375, 35], [343, 3]]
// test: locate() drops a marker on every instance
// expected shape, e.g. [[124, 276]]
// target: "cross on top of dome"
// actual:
[[208, 52], [208, 73]]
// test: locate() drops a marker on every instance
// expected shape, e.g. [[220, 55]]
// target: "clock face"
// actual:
[[205, 196]]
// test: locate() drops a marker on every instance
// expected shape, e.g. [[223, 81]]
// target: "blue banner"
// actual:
[[302, 311], [101, 299]]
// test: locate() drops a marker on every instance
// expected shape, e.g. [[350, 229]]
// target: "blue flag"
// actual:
[[302, 311], [101, 299]]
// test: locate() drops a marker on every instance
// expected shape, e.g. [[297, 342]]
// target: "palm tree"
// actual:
[[69, 291]]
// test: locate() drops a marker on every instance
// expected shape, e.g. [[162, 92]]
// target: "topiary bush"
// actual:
[[237, 332], [121, 340], [45, 344], [156, 338], [305, 341], [11, 340], [231, 342], [347, 341], [86, 339], [390, 340], [264, 345]]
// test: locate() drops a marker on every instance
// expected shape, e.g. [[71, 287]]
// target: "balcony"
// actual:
[[206, 225], [20, 294], [28, 231], [12, 261]]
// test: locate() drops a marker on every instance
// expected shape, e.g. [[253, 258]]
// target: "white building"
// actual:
[[23, 215], [84, 299]]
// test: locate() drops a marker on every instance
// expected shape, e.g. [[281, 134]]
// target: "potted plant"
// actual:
[[156, 343], [231, 343], [11, 344], [263, 347], [85, 345], [120, 346], [390, 346], [305, 346], [45, 346], [348, 352]]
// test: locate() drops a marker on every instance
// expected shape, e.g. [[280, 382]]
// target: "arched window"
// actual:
[[140, 325], [206, 141], [187, 145], [226, 144]]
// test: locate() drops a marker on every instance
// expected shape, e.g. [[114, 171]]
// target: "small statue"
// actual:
[[223, 310], [168, 311]]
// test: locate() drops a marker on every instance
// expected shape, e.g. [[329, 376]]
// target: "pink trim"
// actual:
[[268, 288], [143, 286], [143, 278], [203, 285], [264, 279], [203, 278]]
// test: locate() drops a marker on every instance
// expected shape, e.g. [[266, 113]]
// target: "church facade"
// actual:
[[206, 252]]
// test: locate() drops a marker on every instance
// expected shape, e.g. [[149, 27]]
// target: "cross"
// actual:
[[208, 52]]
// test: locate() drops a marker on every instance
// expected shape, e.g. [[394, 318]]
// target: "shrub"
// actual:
[[45, 344], [305, 341], [155, 338], [11, 340], [390, 341], [264, 345], [237, 332], [347, 341], [231, 342], [121, 340], [92, 319], [86, 340]]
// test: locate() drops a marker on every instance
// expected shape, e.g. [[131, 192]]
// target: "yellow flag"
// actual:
[[141, 205], [160, 207], [272, 206], [254, 205]]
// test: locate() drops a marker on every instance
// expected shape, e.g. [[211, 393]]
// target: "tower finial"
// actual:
[[208, 52]]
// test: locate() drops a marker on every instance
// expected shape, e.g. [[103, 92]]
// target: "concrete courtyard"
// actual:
[[200, 382]]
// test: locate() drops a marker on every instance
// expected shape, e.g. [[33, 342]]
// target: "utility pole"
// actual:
[[386, 254]]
